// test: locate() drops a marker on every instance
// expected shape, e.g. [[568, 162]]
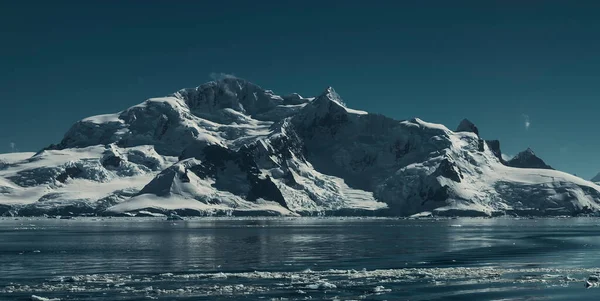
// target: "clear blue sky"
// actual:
[[490, 61]]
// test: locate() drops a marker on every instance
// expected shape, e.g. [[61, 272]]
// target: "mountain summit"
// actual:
[[527, 159], [467, 126], [231, 147]]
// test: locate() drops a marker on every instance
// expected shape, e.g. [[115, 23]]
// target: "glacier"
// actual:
[[230, 147]]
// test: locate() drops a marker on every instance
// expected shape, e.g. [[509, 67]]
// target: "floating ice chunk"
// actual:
[[380, 290], [321, 284], [220, 275], [38, 298]]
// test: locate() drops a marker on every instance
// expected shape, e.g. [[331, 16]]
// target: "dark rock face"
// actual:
[[289, 145], [236, 172], [5, 210], [449, 170], [401, 148], [138, 157], [215, 158], [527, 159], [434, 194], [36, 176], [467, 126], [266, 189], [494, 146], [324, 115], [481, 145], [112, 161], [70, 172], [83, 134]]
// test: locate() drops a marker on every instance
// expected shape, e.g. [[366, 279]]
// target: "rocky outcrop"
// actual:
[[467, 126], [527, 159]]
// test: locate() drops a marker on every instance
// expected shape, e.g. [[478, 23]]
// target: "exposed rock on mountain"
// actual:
[[527, 159], [467, 126]]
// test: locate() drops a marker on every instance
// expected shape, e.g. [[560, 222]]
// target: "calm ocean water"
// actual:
[[299, 259]]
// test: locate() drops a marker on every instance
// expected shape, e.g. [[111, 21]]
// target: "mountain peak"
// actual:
[[330, 95], [528, 159], [596, 178], [225, 85], [229, 93], [467, 126]]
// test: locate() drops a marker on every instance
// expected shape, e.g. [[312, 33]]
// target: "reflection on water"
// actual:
[[117, 259]]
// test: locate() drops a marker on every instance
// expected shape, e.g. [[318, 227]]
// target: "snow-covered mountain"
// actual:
[[231, 147]]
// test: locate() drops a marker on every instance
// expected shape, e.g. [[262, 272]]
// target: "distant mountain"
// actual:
[[230, 147], [527, 159], [596, 178]]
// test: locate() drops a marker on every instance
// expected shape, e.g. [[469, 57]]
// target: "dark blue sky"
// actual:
[[494, 62]]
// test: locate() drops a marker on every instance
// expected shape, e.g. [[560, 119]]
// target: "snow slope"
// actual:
[[77, 180], [230, 147]]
